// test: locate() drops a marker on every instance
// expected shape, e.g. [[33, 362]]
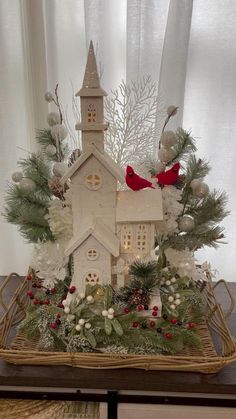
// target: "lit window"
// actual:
[[93, 181], [92, 114], [92, 277], [92, 254], [141, 238], [127, 238]]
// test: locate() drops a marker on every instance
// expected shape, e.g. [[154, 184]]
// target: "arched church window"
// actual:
[[92, 113], [92, 277]]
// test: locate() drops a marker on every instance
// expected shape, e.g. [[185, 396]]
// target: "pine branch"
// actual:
[[184, 146], [196, 169], [44, 138], [210, 210], [202, 237], [37, 168], [143, 269]]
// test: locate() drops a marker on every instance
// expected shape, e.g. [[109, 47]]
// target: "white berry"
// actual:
[[178, 302], [172, 306], [168, 282], [173, 280], [82, 295], [90, 299], [66, 310], [104, 313], [170, 299], [78, 327], [81, 322], [111, 311], [17, 176], [87, 325], [177, 295], [110, 316]]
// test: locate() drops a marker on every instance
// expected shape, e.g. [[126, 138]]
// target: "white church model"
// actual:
[[111, 228]]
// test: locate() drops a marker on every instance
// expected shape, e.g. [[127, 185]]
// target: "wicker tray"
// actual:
[[209, 359]]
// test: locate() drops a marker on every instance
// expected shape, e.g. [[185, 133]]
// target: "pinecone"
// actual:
[[74, 156], [56, 187]]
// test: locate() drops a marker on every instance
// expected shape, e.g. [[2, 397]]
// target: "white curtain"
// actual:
[[186, 46]]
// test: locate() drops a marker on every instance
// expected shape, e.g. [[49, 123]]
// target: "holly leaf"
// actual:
[[117, 327], [89, 336], [108, 326]]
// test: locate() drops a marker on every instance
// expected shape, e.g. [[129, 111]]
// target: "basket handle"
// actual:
[[232, 302]]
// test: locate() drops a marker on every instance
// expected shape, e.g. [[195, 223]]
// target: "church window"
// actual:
[[141, 238], [92, 113], [92, 277], [127, 238], [92, 254], [93, 181]]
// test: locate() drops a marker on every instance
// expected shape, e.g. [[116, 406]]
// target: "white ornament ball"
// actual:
[[177, 295], [66, 310], [170, 299], [166, 154], [172, 306], [186, 223], [173, 280], [177, 302], [59, 169], [160, 167], [111, 311], [27, 185], [90, 299], [17, 176], [195, 184], [78, 327], [82, 295], [48, 97], [202, 190], [167, 282], [168, 139], [104, 313], [81, 322], [53, 118], [59, 132], [50, 150], [110, 316], [87, 326], [171, 110]]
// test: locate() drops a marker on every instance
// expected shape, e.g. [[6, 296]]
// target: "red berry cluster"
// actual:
[[56, 323], [155, 311]]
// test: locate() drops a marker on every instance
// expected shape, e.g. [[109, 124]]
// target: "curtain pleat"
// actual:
[[174, 57]]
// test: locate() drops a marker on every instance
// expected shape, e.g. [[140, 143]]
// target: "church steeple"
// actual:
[[92, 122], [91, 83]]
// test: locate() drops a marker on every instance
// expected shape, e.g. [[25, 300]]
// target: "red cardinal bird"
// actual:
[[170, 176], [136, 182]]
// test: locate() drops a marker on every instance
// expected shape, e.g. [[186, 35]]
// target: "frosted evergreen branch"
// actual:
[[211, 209], [205, 237], [184, 146]]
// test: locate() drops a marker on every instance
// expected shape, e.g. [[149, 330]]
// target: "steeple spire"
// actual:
[[91, 84], [91, 79]]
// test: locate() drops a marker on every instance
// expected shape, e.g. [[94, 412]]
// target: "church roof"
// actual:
[[102, 234], [104, 159], [139, 206], [91, 84]]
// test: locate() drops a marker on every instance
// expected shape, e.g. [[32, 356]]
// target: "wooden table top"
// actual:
[[223, 382]]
